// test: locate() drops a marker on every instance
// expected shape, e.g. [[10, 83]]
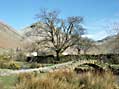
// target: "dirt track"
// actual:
[[67, 65]]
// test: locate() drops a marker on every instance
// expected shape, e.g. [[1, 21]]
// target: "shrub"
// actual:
[[20, 56], [41, 59], [9, 65], [66, 80], [36, 65], [13, 66], [3, 64], [4, 58], [4, 61]]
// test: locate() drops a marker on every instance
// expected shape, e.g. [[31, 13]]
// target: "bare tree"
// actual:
[[116, 28], [115, 48], [115, 43], [60, 33]]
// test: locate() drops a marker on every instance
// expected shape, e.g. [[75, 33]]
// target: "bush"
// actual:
[[6, 62], [110, 58], [13, 66], [36, 65], [66, 80], [4, 58], [41, 59], [9, 65], [20, 56], [3, 64]]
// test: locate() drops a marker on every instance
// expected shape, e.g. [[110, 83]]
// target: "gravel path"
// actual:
[[71, 65]]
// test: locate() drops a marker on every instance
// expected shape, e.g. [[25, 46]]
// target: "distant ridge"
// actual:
[[9, 27], [9, 37]]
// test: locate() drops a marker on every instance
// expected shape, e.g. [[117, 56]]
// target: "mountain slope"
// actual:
[[106, 45], [9, 38]]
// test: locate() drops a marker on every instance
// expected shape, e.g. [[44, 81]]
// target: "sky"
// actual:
[[99, 15]]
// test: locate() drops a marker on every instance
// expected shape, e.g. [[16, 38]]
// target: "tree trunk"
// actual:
[[79, 51], [57, 56], [85, 52]]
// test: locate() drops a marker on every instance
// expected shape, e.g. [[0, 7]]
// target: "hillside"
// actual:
[[30, 31], [106, 45], [9, 38]]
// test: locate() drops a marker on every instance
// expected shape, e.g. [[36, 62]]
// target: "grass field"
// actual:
[[7, 82], [58, 80]]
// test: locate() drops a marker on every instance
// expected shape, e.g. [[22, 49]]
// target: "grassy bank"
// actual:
[[7, 82], [66, 80], [59, 80]]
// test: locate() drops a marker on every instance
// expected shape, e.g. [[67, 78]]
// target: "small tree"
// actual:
[[30, 46], [86, 44], [60, 34]]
